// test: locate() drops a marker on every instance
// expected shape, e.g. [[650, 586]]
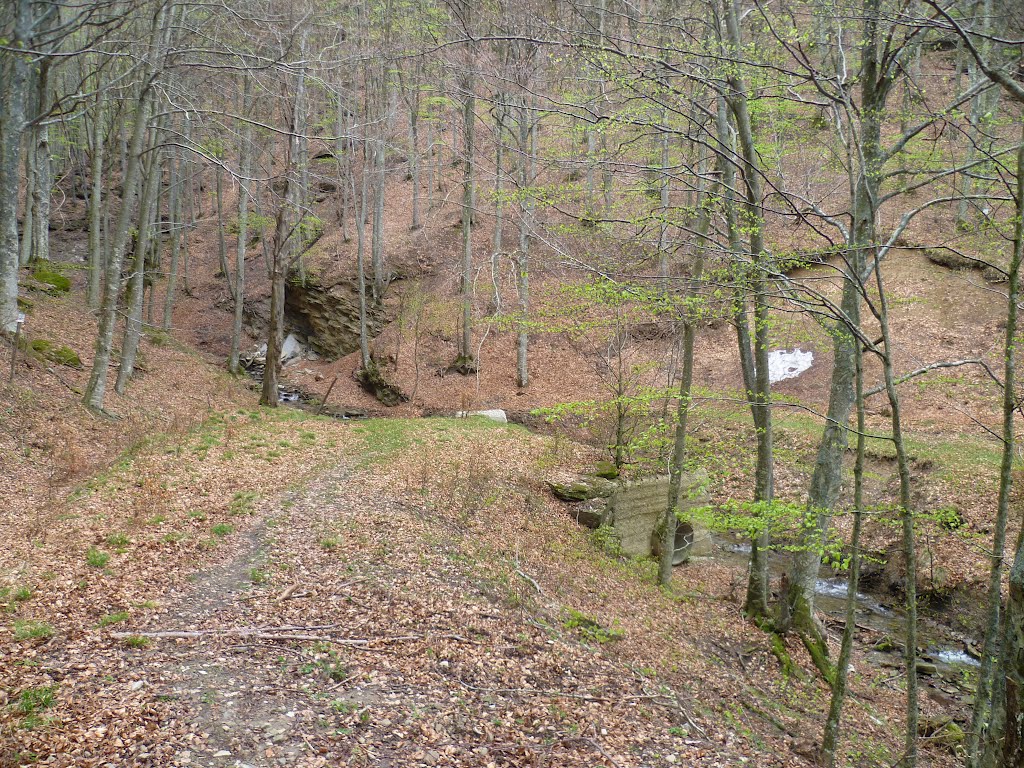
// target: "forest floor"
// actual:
[[405, 591], [378, 592]]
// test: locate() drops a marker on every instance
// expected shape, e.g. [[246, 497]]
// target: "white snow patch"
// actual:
[[785, 364]]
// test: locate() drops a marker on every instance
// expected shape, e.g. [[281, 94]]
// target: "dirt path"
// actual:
[[431, 667]]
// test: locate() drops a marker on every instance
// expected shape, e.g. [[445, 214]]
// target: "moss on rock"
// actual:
[[56, 353], [372, 379], [46, 274]]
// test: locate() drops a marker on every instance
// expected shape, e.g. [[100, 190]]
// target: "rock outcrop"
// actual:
[[635, 510], [328, 316]]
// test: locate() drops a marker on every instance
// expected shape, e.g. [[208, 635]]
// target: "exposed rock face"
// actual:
[[635, 510], [328, 316]]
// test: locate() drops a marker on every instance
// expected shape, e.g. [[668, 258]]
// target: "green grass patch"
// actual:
[[114, 618], [222, 529], [136, 641], [31, 702], [590, 628], [243, 503], [118, 540], [97, 558], [21, 594], [29, 629]]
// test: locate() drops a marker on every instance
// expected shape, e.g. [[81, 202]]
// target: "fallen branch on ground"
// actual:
[[278, 633]]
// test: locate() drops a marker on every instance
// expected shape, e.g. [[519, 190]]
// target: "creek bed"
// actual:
[[881, 623]]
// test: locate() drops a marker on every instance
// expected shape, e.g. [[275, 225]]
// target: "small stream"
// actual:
[[296, 397], [881, 624]]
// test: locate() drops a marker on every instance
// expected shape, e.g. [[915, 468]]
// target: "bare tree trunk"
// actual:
[[377, 245], [983, 695], [222, 245], [907, 520], [95, 390], [95, 205], [499, 204], [364, 343], [467, 361], [275, 331], [754, 358], [137, 282], [283, 258], [830, 738], [1007, 717], [675, 493], [245, 152], [27, 228], [42, 172], [527, 153], [826, 480], [178, 228], [13, 83], [344, 159], [414, 149]]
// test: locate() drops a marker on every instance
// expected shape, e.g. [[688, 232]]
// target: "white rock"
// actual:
[[494, 414], [785, 364], [291, 349]]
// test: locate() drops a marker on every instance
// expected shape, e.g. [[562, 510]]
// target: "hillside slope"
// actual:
[[269, 588]]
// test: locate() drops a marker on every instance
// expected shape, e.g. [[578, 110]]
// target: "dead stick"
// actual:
[[323, 402]]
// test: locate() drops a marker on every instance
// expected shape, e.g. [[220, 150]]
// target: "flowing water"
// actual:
[[881, 624]]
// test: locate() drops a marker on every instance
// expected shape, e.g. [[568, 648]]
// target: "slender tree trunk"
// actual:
[[222, 245], [27, 228], [414, 152], [983, 703], [826, 480], [95, 205], [344, 164], [178, 231], [499, 205], [1008, 702], [95, 390], [364, 343], [907, 520], [377, 245], [830, 738], [42, 173], [755, 358], [269, 396], [245, 151], [527, 153], [137, 281], [468, 204], [283, 257], [670, 521]]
